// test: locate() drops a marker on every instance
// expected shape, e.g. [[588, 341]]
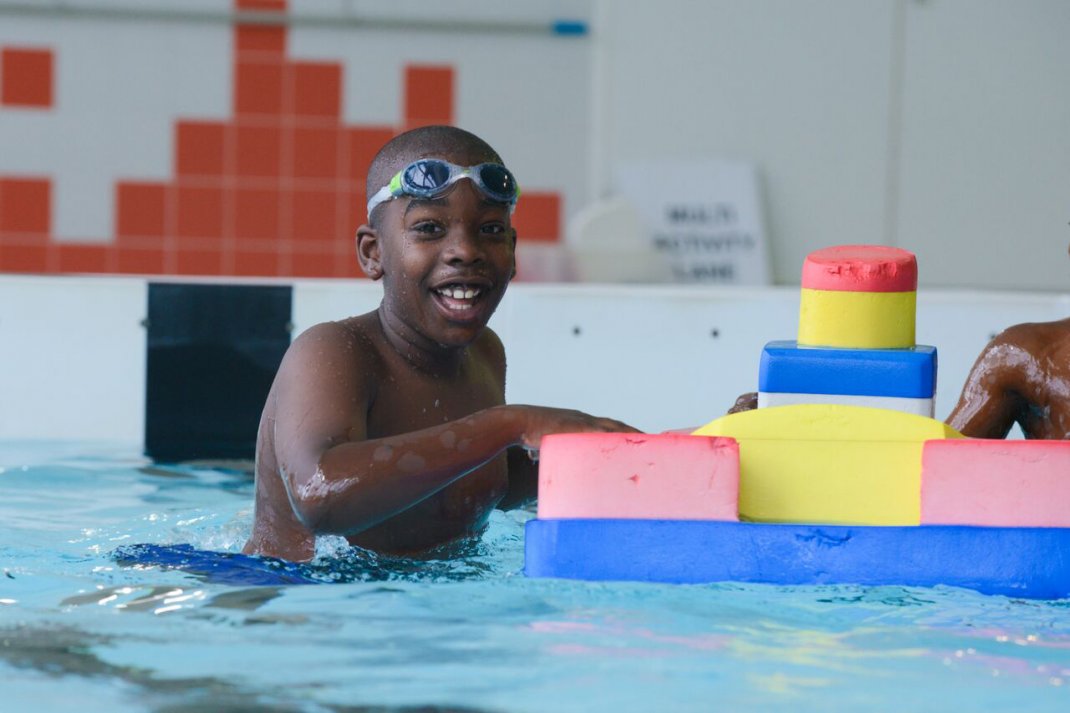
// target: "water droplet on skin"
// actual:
[[382, 453], [411, 463]]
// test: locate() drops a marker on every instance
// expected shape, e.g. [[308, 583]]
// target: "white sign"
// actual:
[[703, 217]]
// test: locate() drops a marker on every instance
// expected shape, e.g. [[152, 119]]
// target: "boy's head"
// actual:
[[443, 143], [439, 232]]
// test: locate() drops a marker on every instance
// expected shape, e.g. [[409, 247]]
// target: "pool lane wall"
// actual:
[[75, 350]]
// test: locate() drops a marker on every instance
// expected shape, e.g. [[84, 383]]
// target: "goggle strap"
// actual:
[[382, 196]]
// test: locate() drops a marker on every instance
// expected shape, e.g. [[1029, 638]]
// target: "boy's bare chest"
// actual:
[[411, 401]]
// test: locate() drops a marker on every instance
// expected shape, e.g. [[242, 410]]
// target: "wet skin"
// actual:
[[390, 428]]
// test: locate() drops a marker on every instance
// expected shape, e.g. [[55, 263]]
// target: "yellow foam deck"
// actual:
[[858, 320], [829, 463]]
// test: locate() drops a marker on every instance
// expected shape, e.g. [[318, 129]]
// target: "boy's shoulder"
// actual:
[[360, 340], [345, 338], [349, 331]]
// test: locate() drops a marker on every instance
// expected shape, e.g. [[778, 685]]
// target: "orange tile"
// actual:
[[428, 95], [258, 150], [140, 209], [317, 89], [312, 264], [26, 205], [254, 263], [199, 212], [86, 258], [26, 77], [198, 262], [364, 143], [24, 258], [260, 40], [538, 217], [256, 214], [199, 148], [258, 88], [134, 261], [315, 215], [263, 5], [315, 153]]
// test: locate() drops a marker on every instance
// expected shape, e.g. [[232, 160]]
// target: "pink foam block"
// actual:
[[638, 476], [996, 483]]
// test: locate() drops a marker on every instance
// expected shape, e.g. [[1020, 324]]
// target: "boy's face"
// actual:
[[445, 262]]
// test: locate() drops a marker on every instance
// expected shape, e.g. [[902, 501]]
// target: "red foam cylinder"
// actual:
[[861, 268], [638, 476], [995, 483]]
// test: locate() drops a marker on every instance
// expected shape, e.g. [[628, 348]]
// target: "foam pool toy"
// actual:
[[829, 463], [625, 475], [858, 296], [841, 475]]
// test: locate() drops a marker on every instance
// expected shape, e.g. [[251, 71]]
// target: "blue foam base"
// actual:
[[1031, 563], [788, 368], [217, 567]]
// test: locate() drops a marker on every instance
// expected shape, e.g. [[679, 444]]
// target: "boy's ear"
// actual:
[[368, 253]]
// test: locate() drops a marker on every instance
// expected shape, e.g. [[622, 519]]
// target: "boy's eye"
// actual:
[[426, 227], [493, 229]]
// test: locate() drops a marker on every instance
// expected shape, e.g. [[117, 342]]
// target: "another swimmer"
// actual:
[[391, 428]]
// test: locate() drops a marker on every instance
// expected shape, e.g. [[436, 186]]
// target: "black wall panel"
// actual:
[[213, 351]]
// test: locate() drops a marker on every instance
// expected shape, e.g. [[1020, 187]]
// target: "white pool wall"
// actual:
[[73, 349]]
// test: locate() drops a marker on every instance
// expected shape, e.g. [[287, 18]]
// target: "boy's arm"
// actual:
[[987, 406], [340, 482]]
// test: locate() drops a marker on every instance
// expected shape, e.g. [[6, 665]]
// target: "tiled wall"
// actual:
[[275, 189]]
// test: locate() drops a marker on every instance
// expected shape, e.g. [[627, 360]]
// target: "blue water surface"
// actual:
[[80, 630]]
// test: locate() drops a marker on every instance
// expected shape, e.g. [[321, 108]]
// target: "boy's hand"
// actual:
[[746, 402], [542, 421]]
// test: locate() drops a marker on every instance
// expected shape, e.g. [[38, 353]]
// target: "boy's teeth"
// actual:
[[459, 293]]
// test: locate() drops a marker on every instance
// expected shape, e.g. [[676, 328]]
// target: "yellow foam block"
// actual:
[[829, 463], [858, 320]]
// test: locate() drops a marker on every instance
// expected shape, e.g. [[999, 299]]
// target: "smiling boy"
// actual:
[[391, 428]]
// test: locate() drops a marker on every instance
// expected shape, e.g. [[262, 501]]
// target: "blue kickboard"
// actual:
[[217, 567], [789, 368], [1026, 562]]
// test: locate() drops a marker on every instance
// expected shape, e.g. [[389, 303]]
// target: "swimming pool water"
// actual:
[[78, 631]]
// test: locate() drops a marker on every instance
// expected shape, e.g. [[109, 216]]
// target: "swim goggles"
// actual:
[[431, 177]]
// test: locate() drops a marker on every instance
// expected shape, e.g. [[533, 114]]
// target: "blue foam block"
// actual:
[[789, 368], [1023, 562]]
